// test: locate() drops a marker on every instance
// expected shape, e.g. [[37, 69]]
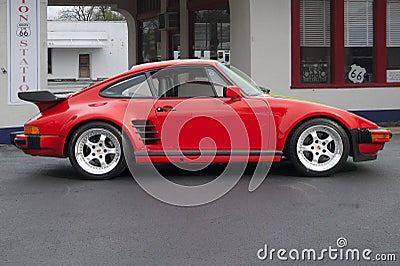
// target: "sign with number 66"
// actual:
[[356, 74]]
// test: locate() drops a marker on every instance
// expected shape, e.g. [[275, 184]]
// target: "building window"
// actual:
[[393, 40], [212, 34], [342, 43], [210, 30], [151, 41], [149, 35], [315, 41], [358, 40]]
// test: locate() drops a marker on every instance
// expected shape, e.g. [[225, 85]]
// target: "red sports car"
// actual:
[[192, 111]]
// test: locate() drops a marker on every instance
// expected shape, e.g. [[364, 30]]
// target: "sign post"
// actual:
[[23, 48]]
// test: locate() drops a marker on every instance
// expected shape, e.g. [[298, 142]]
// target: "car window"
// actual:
[[240, 80], [218, 82], [183, 82], [134, 87]]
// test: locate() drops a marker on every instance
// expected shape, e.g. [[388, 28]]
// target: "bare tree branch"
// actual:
[[89, 13]]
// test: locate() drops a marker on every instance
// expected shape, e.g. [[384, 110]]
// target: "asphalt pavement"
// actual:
[[51, 217]]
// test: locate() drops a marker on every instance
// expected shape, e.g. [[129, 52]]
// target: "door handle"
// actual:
[[166, 109]]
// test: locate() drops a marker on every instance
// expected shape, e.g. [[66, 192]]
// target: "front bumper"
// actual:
[[366, 143], [38, 145]]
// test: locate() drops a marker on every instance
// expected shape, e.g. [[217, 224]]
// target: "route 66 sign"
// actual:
[[357, 73], [23, 29]]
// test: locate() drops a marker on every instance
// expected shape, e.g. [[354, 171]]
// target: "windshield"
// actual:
[[245, 85]]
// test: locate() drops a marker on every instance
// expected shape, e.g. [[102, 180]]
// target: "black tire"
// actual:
[[96, 151], [318, 147]]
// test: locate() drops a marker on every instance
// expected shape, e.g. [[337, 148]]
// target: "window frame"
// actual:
[[338, 48]]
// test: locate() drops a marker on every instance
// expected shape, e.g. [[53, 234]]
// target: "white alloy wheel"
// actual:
[[319, 148], [96, 151]]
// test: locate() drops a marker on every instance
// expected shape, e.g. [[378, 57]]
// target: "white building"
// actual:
[[86, 50]]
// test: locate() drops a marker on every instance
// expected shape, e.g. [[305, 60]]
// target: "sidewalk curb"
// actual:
[[394, 130]]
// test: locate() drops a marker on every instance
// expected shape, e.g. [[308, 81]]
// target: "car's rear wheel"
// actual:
[[96, 151], [318, 147]]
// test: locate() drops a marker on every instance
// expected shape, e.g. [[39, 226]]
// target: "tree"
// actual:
[[104, 13], [89, 13]]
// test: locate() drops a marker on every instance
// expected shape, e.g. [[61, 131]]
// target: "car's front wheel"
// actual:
[[318, 147], [96, 151]]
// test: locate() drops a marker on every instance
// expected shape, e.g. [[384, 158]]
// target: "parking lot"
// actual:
[[49, 216]]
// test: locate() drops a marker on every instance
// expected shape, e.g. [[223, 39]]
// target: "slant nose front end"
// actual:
[[368, 142]]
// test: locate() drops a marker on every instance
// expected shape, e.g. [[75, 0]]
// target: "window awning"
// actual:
[[76, 39]]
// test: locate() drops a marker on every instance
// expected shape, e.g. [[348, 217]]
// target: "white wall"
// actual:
[[65, 64], [270, 46], [271, 63], [241, 37], [104, 62]]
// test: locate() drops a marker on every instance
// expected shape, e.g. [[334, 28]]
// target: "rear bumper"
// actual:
[[13, 135], [366, 143], [38, 145]]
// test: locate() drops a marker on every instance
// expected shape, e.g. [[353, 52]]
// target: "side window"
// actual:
[[218, 82], [134, 87], [183, 82]]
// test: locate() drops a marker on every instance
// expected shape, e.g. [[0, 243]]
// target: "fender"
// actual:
[[288, 113]]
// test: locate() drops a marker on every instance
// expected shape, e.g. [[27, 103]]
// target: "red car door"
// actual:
[[193, 115]]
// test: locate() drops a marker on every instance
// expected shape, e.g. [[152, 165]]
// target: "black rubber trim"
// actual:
[[210, 153], [19, 142], [12, 138], [146, 132], [34, 142], [361, 136], [364, 136]]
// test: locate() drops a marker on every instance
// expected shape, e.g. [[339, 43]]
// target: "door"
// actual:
[[84, 66], [184, 109], [194, 115]]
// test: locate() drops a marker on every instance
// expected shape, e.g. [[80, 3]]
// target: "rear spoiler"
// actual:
[[42, 99]]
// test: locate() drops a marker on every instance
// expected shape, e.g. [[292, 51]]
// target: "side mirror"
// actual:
[[232, 92], [265, 90]]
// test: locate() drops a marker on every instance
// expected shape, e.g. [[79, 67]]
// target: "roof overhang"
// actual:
[[76, 39]]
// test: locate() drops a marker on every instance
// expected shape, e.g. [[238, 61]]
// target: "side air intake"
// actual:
[[147, 131]]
